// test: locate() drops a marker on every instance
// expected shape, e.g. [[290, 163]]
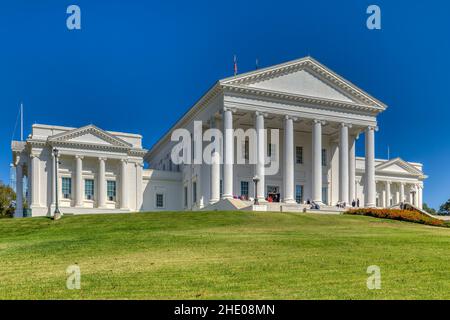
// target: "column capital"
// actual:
[[124, 160], [344, 124], [102, 158], [374, 128], [137, 164], [79, 157], [322, 122], [289, 117], [260, 113], [233, 110]]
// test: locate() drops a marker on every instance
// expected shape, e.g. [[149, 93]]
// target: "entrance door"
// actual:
[[273, 193]]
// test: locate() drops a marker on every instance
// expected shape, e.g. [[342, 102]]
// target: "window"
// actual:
[[299, 155], [221, 188], [324, 157], [194, 192], [325, 195], [271, 151], [185, 196], [244, 189], [89, 189], [160, 200], [66, 187], [246, 149], [299, 193], [111, 190]]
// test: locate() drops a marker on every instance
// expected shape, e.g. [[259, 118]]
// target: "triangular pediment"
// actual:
[[306, 78], [302, 82], [89, 135], [397, 166]]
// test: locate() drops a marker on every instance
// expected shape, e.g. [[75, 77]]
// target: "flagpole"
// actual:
[[21, 121]]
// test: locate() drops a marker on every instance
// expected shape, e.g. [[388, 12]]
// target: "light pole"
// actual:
[[57, 214], [255, 180]]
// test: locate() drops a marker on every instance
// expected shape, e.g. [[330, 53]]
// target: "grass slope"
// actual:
[[222, 255]]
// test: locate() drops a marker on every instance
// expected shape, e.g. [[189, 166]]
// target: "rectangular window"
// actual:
[[246, 149], [221, 188], [244, 189], [66, 187], [111, 190], [271, 151], [89, 189], [159, 200], [324, 157], [325, 195], [185, 196], [299, 193], [194, 192], [299, 155]]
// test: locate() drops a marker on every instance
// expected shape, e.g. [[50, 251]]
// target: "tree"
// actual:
[[428, 209], [444, 209], [7, 201]]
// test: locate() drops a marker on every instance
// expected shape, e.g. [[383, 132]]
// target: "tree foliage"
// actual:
[[426, 208], [444, 209], [7, 201]]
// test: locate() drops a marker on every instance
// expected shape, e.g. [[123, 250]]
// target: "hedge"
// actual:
[[398, 214]]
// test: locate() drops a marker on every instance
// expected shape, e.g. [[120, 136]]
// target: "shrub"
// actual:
[[397, 214]]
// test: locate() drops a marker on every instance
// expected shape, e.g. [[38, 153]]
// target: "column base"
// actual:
[[289, 201], [212, 201], [262, 200], [227, 197]]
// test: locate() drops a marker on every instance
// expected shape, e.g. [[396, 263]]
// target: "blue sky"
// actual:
[[136, 66]]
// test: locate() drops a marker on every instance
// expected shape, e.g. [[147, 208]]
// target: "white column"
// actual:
[[388, 194], [123, 184], [343, 164], [352, 170], [383, 198], [228, 154], [370, 190], [139, 193], [288, 177], [260, 155], [215, 169], [19, 191], [420, 197], [215, 177], [317, 161], [402, 192], [416, 195], [53, 176], [101, 183], [35, 201], [397, 195], [79, 181]]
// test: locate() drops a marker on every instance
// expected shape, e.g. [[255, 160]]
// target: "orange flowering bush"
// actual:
[[398, 214]]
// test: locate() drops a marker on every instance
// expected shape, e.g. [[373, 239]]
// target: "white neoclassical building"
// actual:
[[318, 114]]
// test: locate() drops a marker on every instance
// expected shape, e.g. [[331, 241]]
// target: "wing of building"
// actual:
[[299, 122]]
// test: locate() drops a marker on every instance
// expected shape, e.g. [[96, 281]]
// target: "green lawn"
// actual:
[[222, 255]]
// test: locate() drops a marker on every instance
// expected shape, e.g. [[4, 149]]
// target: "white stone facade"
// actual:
[[318, 115]]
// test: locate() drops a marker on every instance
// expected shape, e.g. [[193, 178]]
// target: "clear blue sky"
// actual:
[[136, 66]]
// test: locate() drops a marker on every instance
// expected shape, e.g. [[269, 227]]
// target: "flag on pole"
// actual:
[[257, 64], [235, 65]]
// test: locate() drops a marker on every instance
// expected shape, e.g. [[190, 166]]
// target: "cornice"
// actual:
[[290, 97]]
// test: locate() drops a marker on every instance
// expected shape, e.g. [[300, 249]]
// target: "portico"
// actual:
[[95, 171], [318, 115], [319, 163]]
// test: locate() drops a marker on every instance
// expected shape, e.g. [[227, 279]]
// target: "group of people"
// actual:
[[343, 204]]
